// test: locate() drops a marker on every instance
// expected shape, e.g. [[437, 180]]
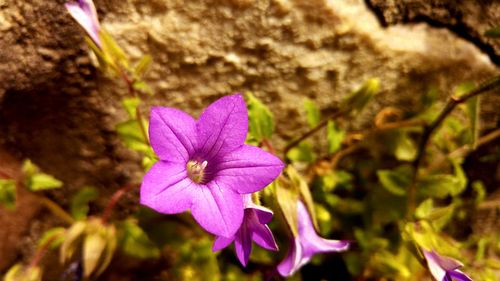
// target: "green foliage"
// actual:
[[287, 196], [335, 137], [96, 241], [357, 100], [8, 193], [301, 185], [493, 32], [80, 202], [36, 180], [135, 242], [54, 236], [260, 119], [312, 112], [23, 273], [396, 181], [302, 153]]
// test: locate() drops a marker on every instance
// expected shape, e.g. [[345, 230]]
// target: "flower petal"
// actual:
[[263, 236], [243, 244], [221, 243], [167, 189], [311, 242], [86, 16], [218, 209], [459, 275], [248, 169], [172, 134], [435, 268], [222, 127], [292, 261]]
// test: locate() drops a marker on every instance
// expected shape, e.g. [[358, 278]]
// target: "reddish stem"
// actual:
[[266, 143], [114, 199], [42, 251]]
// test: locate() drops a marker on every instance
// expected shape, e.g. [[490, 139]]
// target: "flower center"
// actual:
[[196, 170]]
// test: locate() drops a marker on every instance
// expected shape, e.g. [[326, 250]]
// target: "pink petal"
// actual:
[[218, 209], [172, 134], [223, 126], [243, 244], [86, 16], [311, 242], [166, 188], [459, 275], [292, 261], [221, 243], [248, 169], [263, 236]]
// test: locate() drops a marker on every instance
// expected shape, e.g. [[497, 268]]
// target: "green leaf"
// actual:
[[493, 32], [94, 246], [41, 181], [395, 181], [438, 186], [80, 202], [335, 137], [472, 106], [130, 133], [143, 66], [424, 209], [130, 105], [143, 87], [463, 89], [135, 242], [287, 197], [36, 180], [299, 182], [8, 193], [405, 148], [23, 273], [358, 99], [312, 112], [55, 236], [260, 118], [114, 55], [480, 192], [73, 237], [302, 153]]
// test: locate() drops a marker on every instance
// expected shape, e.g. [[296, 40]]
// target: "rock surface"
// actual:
[[58, 110]]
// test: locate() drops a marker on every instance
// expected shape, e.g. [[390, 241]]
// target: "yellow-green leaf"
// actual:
[[135, 242], [335, 136], [312, 112], [260, 118], [8, 193], [287, 197]]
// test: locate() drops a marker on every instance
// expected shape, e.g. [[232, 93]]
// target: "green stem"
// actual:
[[431, 128], [133, 93], [312, 131], [56, 210]]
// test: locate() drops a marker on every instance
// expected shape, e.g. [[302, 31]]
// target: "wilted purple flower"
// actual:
[[84, 12], [254, 227], [444, 268], [307, 244], [205, 165]]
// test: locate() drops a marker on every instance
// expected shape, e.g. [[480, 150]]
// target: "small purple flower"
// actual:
[[205, 166], [84, 12], [307, 244], [254, 227], [444, 268]]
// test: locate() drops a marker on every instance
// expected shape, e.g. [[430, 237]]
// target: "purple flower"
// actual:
[[84, 12], [307, 244], [444, 268], [254, 227], [205, 165]]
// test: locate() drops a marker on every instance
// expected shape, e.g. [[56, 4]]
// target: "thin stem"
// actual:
[[266, 143], [430, 129], [312, 131], [133, 93], [42, 251], [114, 199], [56, 210]]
